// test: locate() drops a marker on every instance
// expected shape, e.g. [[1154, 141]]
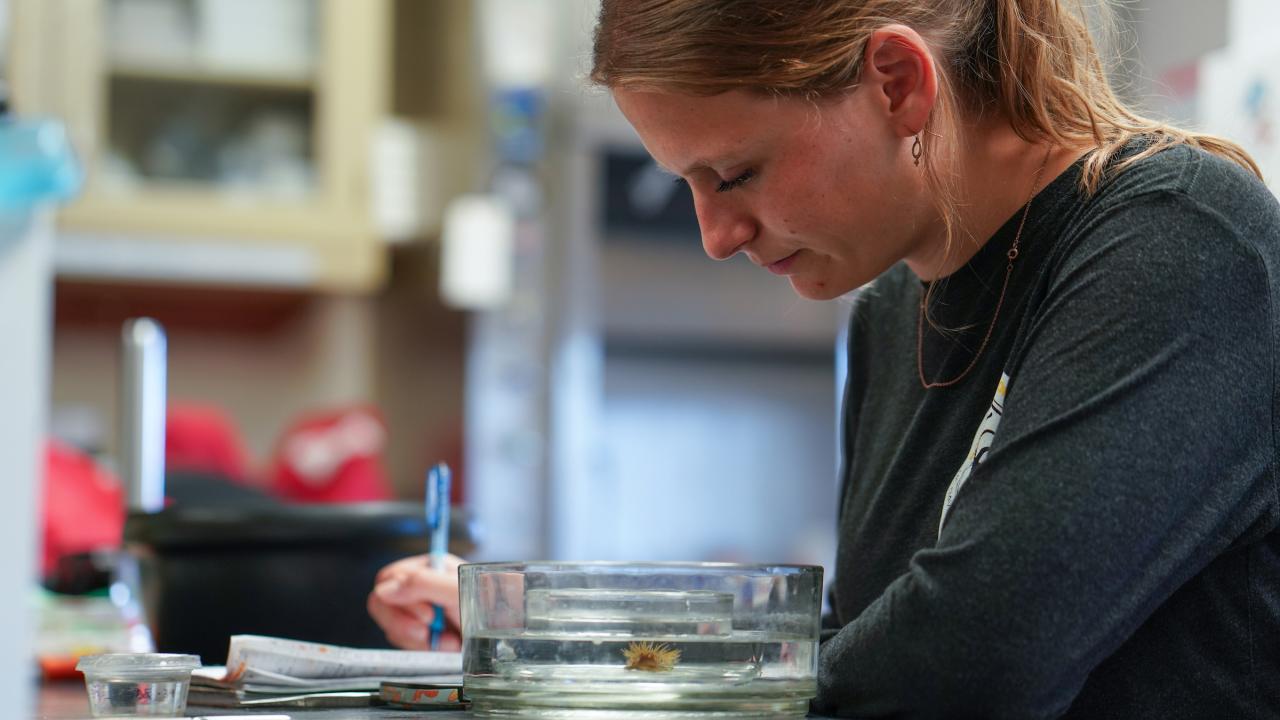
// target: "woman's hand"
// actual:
[[402, 599]]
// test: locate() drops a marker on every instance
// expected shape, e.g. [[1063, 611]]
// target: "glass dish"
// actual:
[[137, 684], [640, 640]]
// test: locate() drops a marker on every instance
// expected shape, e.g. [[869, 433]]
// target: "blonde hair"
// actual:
[[1032, 61]]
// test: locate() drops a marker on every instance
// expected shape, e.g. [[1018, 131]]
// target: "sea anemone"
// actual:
[[651, 657]]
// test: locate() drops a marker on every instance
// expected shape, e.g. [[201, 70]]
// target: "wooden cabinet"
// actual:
[[207, 165]]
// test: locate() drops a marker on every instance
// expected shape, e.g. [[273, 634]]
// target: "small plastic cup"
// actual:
[[138, 684]]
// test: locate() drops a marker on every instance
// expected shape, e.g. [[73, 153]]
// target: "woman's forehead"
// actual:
[[683, 130]]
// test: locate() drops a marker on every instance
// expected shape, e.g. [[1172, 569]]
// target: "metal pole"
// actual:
[[142, 414]]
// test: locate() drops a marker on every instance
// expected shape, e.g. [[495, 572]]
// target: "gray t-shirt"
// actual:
[[1113, 548]]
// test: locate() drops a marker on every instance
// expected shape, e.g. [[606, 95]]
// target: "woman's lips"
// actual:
[[780, 267]]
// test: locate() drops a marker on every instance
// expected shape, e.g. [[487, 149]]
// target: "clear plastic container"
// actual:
[[640, 640], [138, 684]]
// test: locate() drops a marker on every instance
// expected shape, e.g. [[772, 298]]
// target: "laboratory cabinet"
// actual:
[[223, 140]]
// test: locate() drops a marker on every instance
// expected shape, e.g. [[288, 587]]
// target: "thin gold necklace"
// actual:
[[1012, 255]]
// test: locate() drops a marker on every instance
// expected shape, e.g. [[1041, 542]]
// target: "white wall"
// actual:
[[1239, 85]]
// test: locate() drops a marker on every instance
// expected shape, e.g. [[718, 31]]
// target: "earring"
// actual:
[[917, 149]]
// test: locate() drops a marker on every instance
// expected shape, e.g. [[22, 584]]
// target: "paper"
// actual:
[[239, 699], [260, 664], [239, 717]]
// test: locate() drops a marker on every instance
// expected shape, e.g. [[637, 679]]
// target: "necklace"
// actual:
[[1012, 255]]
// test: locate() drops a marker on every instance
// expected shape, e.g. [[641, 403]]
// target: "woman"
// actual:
[[1059, 493]]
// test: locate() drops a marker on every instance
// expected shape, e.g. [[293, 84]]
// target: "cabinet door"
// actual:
[[217, 126]]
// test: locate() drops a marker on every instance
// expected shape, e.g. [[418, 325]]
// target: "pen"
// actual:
[[438, 480]]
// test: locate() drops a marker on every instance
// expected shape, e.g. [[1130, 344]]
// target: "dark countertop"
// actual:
[[68, 701]]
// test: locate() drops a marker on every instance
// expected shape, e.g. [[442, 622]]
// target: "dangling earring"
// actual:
[[917, 149]]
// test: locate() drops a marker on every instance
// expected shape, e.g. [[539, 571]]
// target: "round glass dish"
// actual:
[[640, 640], [137, 684]]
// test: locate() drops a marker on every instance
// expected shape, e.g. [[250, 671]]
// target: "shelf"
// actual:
[[184, 261], [193, 74], [221, 261], [175, 212], [138, 193]]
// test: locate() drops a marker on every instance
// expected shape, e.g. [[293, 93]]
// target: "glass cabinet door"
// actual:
[[219, 94]]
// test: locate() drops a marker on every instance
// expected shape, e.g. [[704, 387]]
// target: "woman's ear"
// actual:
[[899, 70]]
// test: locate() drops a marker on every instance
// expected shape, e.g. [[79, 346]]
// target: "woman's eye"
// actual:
[[727, 185]]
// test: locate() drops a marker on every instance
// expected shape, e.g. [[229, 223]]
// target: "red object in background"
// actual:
[[83, 506], [59, 667], [202, 438], [332, 457]]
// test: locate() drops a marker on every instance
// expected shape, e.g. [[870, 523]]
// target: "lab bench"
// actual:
[[68, 701]]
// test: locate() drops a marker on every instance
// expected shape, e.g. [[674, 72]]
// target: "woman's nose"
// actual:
[[725, 229]]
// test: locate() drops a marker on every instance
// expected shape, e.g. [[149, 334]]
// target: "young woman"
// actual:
[[1060, 482]]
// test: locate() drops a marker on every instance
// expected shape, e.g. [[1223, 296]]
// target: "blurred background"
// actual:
[[385, 233]]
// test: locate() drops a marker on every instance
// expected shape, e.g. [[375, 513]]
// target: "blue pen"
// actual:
[[438, 480]]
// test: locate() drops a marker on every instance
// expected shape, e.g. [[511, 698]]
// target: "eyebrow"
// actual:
[[702, 164]]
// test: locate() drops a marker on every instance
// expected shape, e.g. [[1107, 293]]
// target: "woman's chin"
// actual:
[[811, 289]]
